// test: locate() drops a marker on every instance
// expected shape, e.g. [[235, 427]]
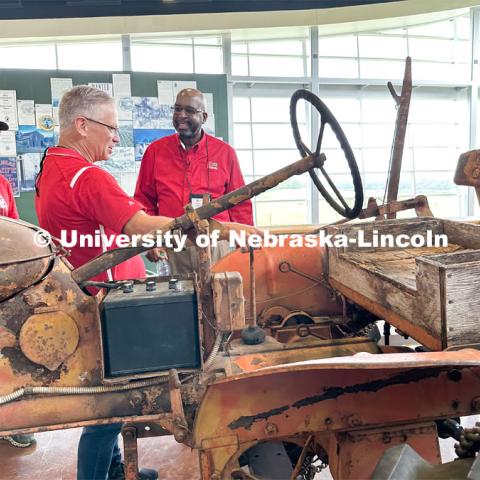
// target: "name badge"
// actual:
[[196, 199]]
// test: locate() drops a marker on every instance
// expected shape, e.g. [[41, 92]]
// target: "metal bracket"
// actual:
[[130, 452], [180, 426]]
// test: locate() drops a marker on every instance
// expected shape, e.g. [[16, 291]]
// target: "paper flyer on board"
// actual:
[[8, 147], [8, 108], [58, 87], [26, 112]]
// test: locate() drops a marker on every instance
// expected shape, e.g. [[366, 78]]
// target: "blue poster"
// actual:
[[8, 168], [143, 137], [30, 139]]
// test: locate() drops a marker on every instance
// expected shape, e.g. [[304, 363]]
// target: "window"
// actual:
[[264, 143], [277, 57], [177, 54], [73, 54], [98, 55], [437, 133], [35, 56], [440, 50]]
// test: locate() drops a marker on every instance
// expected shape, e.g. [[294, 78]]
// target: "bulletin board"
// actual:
[[147, 92]]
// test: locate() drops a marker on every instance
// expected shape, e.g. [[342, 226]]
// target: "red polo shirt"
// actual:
[[7, 202], [76, 195], [169, 174]]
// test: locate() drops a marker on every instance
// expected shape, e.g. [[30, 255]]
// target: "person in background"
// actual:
[[181, 168], [9, 209], [7, 202]]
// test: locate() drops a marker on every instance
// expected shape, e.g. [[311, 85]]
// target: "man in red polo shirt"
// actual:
[[75, 196], [180, 168]]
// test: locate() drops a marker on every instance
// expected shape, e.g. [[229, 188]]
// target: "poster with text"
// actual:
[[29, 165], [8, 108], [8, 168]]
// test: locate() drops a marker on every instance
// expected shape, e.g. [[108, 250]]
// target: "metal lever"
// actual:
[[285, 267]]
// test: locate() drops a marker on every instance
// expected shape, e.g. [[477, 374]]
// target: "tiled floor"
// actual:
[[55, 456]]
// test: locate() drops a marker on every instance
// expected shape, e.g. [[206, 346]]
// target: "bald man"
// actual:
[[180, 168]]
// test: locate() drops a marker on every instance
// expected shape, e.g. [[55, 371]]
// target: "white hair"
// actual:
[[81, 100]]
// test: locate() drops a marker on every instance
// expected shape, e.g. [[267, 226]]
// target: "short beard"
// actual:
[[187, 135]]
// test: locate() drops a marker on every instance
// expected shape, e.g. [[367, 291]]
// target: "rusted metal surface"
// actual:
[[288, 290], [404, 324], [18, 243], [56, 291], [114, 257], [301, 333], [162, 420], [334, 396], [205, 294], [354, 455], [403, 104], [272, 314], [253, 304], [238, 361], [402, 461], [82, 368], [78, 410], [301, 458], [228, 301], [129, 434], [48, 338], [300, 385], [418, 203], [469, 444], [468, 171], [180, 431]]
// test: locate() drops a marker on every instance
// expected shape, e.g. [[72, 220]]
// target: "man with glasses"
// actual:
[[181, 168], [74, 194]]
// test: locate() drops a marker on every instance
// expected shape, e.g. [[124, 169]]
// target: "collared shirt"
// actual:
[[7, 202], [76, 195], [170, 174]]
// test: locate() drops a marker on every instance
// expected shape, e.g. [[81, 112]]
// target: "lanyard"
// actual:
[[184, 159]]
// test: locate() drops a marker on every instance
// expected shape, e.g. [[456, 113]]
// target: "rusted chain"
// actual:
[[469, 443]]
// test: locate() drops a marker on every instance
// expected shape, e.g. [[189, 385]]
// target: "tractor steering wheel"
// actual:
[[326, 116]]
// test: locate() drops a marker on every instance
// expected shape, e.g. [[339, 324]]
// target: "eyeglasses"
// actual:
[[190, 111], [113, 130]]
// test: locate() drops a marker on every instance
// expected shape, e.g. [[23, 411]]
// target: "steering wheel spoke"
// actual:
[[326, 117], [306, 149], [320, 138], [334, 188]]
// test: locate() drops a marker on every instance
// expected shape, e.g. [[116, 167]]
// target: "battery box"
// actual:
[[150, 327]]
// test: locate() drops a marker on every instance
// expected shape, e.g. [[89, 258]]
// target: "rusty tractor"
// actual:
[[268, 361]]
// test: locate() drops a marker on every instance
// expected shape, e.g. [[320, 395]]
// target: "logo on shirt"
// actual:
[[213, 165], [3, 205]]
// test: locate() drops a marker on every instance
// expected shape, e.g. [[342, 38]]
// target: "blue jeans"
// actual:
[[97, 450]]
